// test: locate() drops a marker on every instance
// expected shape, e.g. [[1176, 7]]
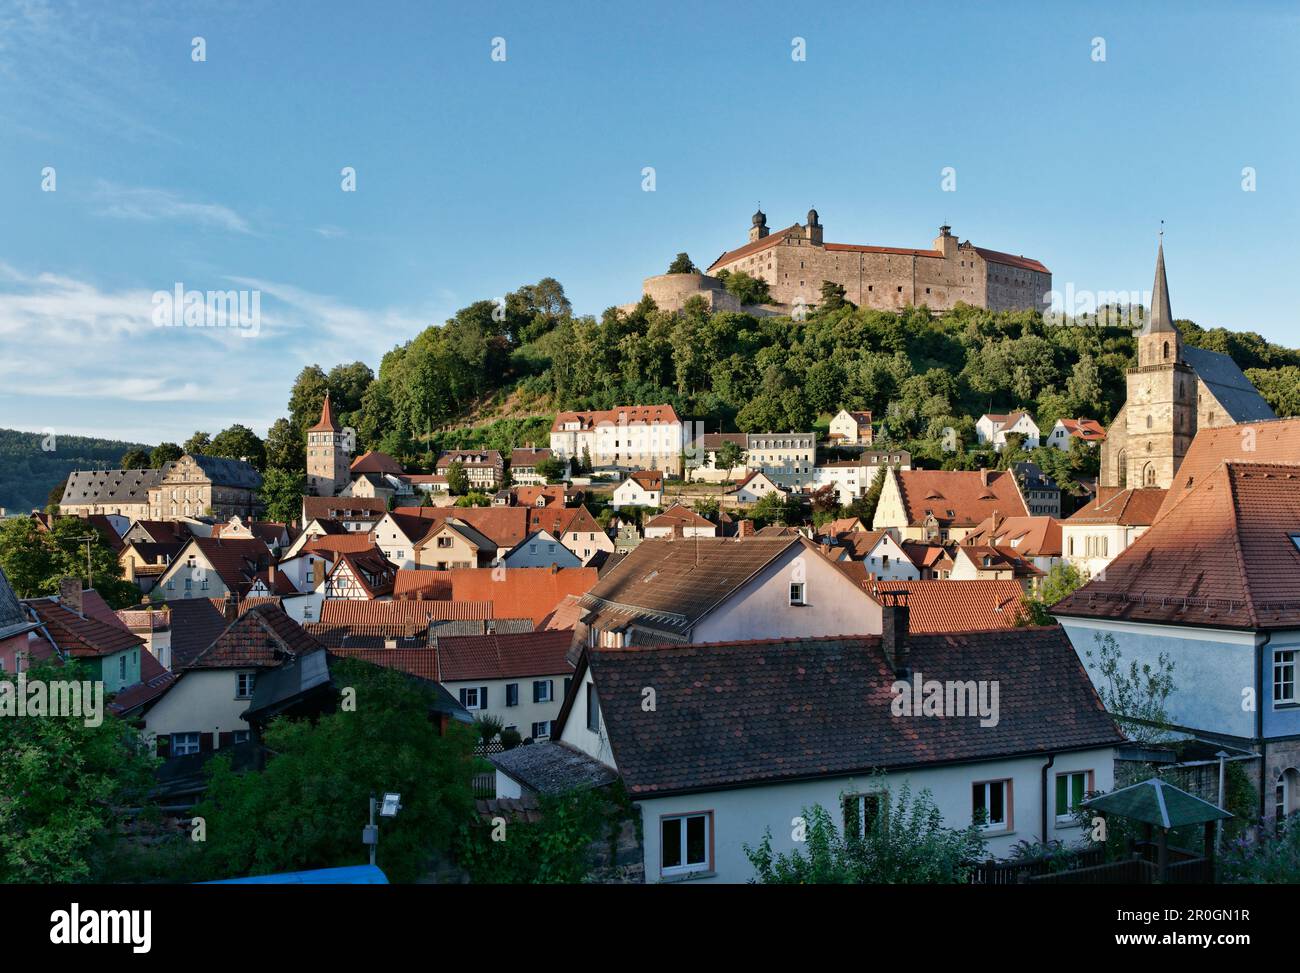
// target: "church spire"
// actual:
[[327, 421], [1161, 318]]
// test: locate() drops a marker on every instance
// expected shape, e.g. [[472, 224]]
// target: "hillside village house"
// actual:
[[711, 772], [853, 478], [644, 488], [714, 589], [1215, 585], [204, 709], [1099, 532], [575, 528], [452, 543], [752, 489], [703, 456], [851, 428], [994, 429], [354, 513], [484, 468], [882, 557], [679, 521], [400, 533], [1039, 539], [197, 485], [523, 465], [364, 575], [787, 458], [77, 624], [208, 567], [540, 550], [519, 678], [986, 563], [1066, 432], [646, 437], [943, 505]]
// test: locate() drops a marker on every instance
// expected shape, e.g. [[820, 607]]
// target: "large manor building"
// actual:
[[1173, 390], [796, 260]]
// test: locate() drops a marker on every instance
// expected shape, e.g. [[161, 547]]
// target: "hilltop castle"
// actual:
[[796, 260], [1173, 391]]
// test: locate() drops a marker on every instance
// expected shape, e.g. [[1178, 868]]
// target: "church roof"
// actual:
[[1239, 398], [327, 421], [1161, 318]]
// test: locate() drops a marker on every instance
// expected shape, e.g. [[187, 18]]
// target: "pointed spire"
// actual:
[[327, 421], [1161, 318]]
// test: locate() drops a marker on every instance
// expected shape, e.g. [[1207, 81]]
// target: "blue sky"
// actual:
[[474, 176]]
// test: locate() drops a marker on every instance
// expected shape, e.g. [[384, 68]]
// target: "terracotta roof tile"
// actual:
[[1275, 441], [520, 592], [516, 656], [970, 495], [937, 606]]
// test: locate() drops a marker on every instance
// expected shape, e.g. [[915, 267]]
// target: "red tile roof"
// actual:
[[1089, 430], [562, 520], [1276, 441], [415, 583], [970, 495], [343, 508], [83, 636], [755, 246], [327, 421], [370, 569], [1226, 556], [514, 656], [678, 516], [1011, 260], [353, 542], [416, 662], [155, 680], [373, 461], [1129, 508], [347, 611], [261, 637], [629, 414], [1027, 536], [937, 606], [520, 592], [504, 526], [236, 560]]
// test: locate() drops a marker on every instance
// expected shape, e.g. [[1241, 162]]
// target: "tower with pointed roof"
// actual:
[[1173, 390], [328, 454]]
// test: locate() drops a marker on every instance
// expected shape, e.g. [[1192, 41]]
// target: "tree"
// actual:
[[777, 508], [864, 507], [35, 559], [135, 459], [282, 492], [239, 442], [488, 727], [730, 455], [550, 469], [903, 844], [283, 448], [1137, 695], [306, 808], [63, 785], [833, 296], [1062, 579], [457, 479], [163, 454], [682, 265], [746, 289], [198, 443], [56, 495]]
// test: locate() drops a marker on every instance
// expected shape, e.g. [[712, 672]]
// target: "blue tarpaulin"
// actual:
[[347, 875]]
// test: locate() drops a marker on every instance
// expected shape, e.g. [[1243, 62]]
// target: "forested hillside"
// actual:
[[32, 464]]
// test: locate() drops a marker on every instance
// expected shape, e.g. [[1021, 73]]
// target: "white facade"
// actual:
[[523, 703], [845, 428], [201, 701], [630, 493], [754, 489], [1090, 547], [787, 458], [994, 430], [541, 550], [887, 561], [851, 480], [645, 445]]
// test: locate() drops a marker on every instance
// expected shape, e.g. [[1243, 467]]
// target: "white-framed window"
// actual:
[[184, 744], [993, 797], [686, 843], [798, 591], [512, 694], [244, 685], [1070, 788], [543, 690], [541, 729], [1284, 677], [474, 697]]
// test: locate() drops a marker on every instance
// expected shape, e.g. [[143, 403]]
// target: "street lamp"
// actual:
[[370, 834]]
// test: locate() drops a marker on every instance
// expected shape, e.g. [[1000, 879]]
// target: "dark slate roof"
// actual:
[[228, 472], [283, 686], [553, 768], [111, 486], [1159, 803], [743, 713], [13, 620], [1228, 384], [1161, 318]]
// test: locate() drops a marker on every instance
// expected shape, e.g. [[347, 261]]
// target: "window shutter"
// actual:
[[482, 698], [550, 689], [462, 696]]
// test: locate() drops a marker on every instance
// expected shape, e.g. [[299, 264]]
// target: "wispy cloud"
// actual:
[[153, 205], [330, 232]]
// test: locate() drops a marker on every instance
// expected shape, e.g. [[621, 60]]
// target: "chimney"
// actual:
[[984, 477], [230, 607], [70, 594], [893, 630], [745, 528], [270, 576]]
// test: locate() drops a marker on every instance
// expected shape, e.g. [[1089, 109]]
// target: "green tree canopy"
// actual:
[[682, 265]]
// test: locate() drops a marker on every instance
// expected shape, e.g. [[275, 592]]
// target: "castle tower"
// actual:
[[1162, 390], [758, 228], [328, 455], [814, 229]]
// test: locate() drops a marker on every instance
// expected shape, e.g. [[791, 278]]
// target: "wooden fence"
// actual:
[[1018, 872], [1132, 871]]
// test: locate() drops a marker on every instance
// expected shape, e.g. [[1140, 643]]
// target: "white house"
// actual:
[[886, 560], [679, 521], [647, 437], [1099, 532], [710, 785], [994, 429], [754, 488], [1088, 432], [520, 678], [787, 458], [644, 488], [851, 428], [541, 549]]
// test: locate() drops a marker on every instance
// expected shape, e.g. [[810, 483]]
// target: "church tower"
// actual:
[[758, 226], [328, 456], [1162, 390]]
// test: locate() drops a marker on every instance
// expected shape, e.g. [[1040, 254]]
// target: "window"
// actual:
[[593, 709], [1284, 677], [685, 842], [244, 685], [861, 813], [543, 690], [541, 729], [474, 697], [240, 736], [184, 744], [512, 694], [1070, 789], [797, 593], [121, 667], [993, 797]]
